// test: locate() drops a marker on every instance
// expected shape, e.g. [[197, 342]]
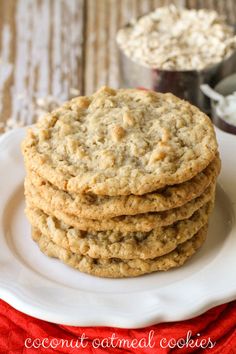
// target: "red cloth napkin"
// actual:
[[217, 325]]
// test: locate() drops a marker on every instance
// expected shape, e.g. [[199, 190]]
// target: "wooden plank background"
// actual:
[[52, 49]]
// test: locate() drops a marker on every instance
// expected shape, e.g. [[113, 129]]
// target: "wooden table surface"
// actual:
[[54, 48]]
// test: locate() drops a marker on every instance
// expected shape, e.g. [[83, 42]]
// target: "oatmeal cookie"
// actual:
[[116, 268], [100, 207], [111, 244], [125, 223], [120, 142]]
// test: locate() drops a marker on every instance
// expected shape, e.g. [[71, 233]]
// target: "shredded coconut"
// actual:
[[226, 108]]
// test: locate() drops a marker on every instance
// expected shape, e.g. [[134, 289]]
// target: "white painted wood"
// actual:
[[48, 55]]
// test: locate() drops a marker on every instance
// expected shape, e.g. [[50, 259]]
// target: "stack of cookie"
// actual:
[[121, 183]]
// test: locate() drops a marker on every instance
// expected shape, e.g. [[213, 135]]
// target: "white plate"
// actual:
[[47, 289]]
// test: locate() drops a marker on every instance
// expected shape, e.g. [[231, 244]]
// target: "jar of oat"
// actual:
[[177, 50]]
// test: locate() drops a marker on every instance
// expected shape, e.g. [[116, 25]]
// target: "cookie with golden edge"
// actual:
[[117, 268], [97, 207], [111, 244], [120, 142], [126, 223]]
